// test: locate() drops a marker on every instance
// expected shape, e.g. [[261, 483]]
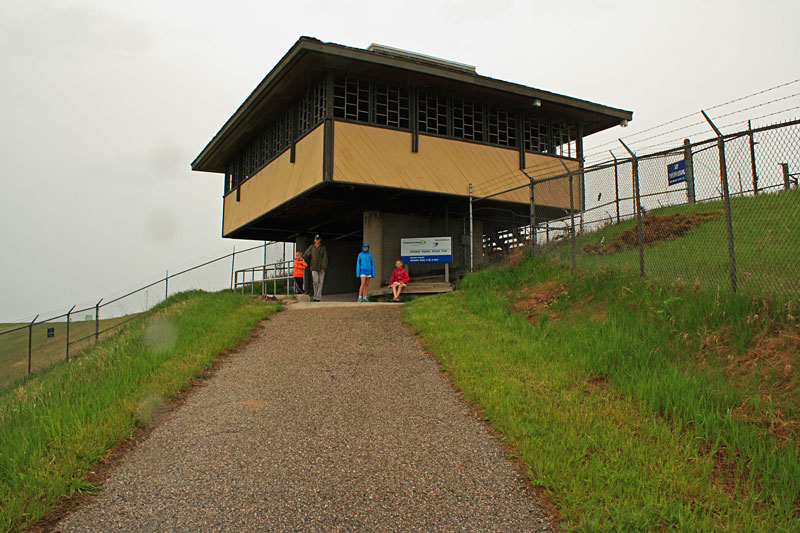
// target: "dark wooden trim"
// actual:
[[414, 116], [372, 102], [327, 150], [330, 79], [293, 127], [520, 120], [327, 132], [449, 116]]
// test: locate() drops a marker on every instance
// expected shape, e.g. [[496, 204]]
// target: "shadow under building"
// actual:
[[381, 144]]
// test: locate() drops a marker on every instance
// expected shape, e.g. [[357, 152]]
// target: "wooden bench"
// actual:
[[416, 288]]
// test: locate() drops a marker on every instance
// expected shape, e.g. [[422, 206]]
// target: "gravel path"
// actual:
[[332, 419]]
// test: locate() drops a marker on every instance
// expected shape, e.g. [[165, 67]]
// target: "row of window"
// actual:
[[383, 104], [276, 136]]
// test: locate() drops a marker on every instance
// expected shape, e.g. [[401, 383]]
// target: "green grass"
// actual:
[[619, 403], [53, 427], [45, 351], [766, 244]]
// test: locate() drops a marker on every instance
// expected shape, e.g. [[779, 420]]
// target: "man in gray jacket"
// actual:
[[316, 255]]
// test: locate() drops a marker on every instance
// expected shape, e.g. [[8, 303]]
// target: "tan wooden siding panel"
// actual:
[[276, 183], [379, 156]]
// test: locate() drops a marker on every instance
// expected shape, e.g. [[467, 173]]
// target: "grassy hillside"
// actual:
[[766, 232], [44, 351], [636, 404], [53, 427]]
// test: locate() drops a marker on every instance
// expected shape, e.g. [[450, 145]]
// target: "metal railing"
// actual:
[[264, 276]]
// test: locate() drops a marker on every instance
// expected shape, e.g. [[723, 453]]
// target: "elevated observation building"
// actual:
[[380, 144]]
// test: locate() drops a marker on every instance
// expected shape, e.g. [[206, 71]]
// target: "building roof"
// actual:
[[309, 58]]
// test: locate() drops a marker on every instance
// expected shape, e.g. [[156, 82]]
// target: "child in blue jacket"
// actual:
[[365, 269]]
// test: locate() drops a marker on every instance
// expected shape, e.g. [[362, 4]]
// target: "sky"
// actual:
[[104, 104]]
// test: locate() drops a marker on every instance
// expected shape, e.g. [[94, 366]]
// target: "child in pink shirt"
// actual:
[[398, 280]]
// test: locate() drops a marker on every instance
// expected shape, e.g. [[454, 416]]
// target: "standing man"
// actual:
[[316, 256]]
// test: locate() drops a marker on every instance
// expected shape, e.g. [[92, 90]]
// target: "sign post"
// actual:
[[428, 250]]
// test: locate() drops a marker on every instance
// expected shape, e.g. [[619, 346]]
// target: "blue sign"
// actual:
[[426, 250], [676, 172], [51, 332]]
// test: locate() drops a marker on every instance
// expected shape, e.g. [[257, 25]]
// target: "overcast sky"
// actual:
[[104, 104]]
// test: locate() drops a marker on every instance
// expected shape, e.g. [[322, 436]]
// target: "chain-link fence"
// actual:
[[722, 213], [34, 345]]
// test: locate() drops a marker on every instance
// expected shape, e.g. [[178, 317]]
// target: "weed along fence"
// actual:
[[734, 197], [32, 346]]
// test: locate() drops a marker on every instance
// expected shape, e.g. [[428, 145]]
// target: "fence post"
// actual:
[[166, 285], [689, 162], [579, 156], [533, 214], [30, 342], [533, 220], [633, 191], [572, 219], [571, 212], [637, 205], [97, 321], [471, 238], [723, 176], [233, 262], [616, 184], [786, 181], [68, 318], [752, 158]]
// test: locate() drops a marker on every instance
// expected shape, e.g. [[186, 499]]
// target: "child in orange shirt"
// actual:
[[297, 272]]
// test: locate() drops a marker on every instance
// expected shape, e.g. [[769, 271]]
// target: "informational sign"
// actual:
[[426, 250], [676, 172], [51, 332]]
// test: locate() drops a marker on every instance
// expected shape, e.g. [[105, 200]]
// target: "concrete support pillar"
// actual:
[[373, 234]]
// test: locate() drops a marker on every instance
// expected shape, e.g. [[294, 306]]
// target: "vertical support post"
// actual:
[[533, 219], [328, 130], [637, 205], [752, 158], [579, 156], [786, 181], [633, 190], [30, 342], [293, 129], [571, 211], [471, 238], [97, 321], [533, 213], [414, 103], [547, 231], [572, 219], [688, 160], [69, 313], [233, 263], [447, 272], [723, 176], [616, 183], [166, 285]]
